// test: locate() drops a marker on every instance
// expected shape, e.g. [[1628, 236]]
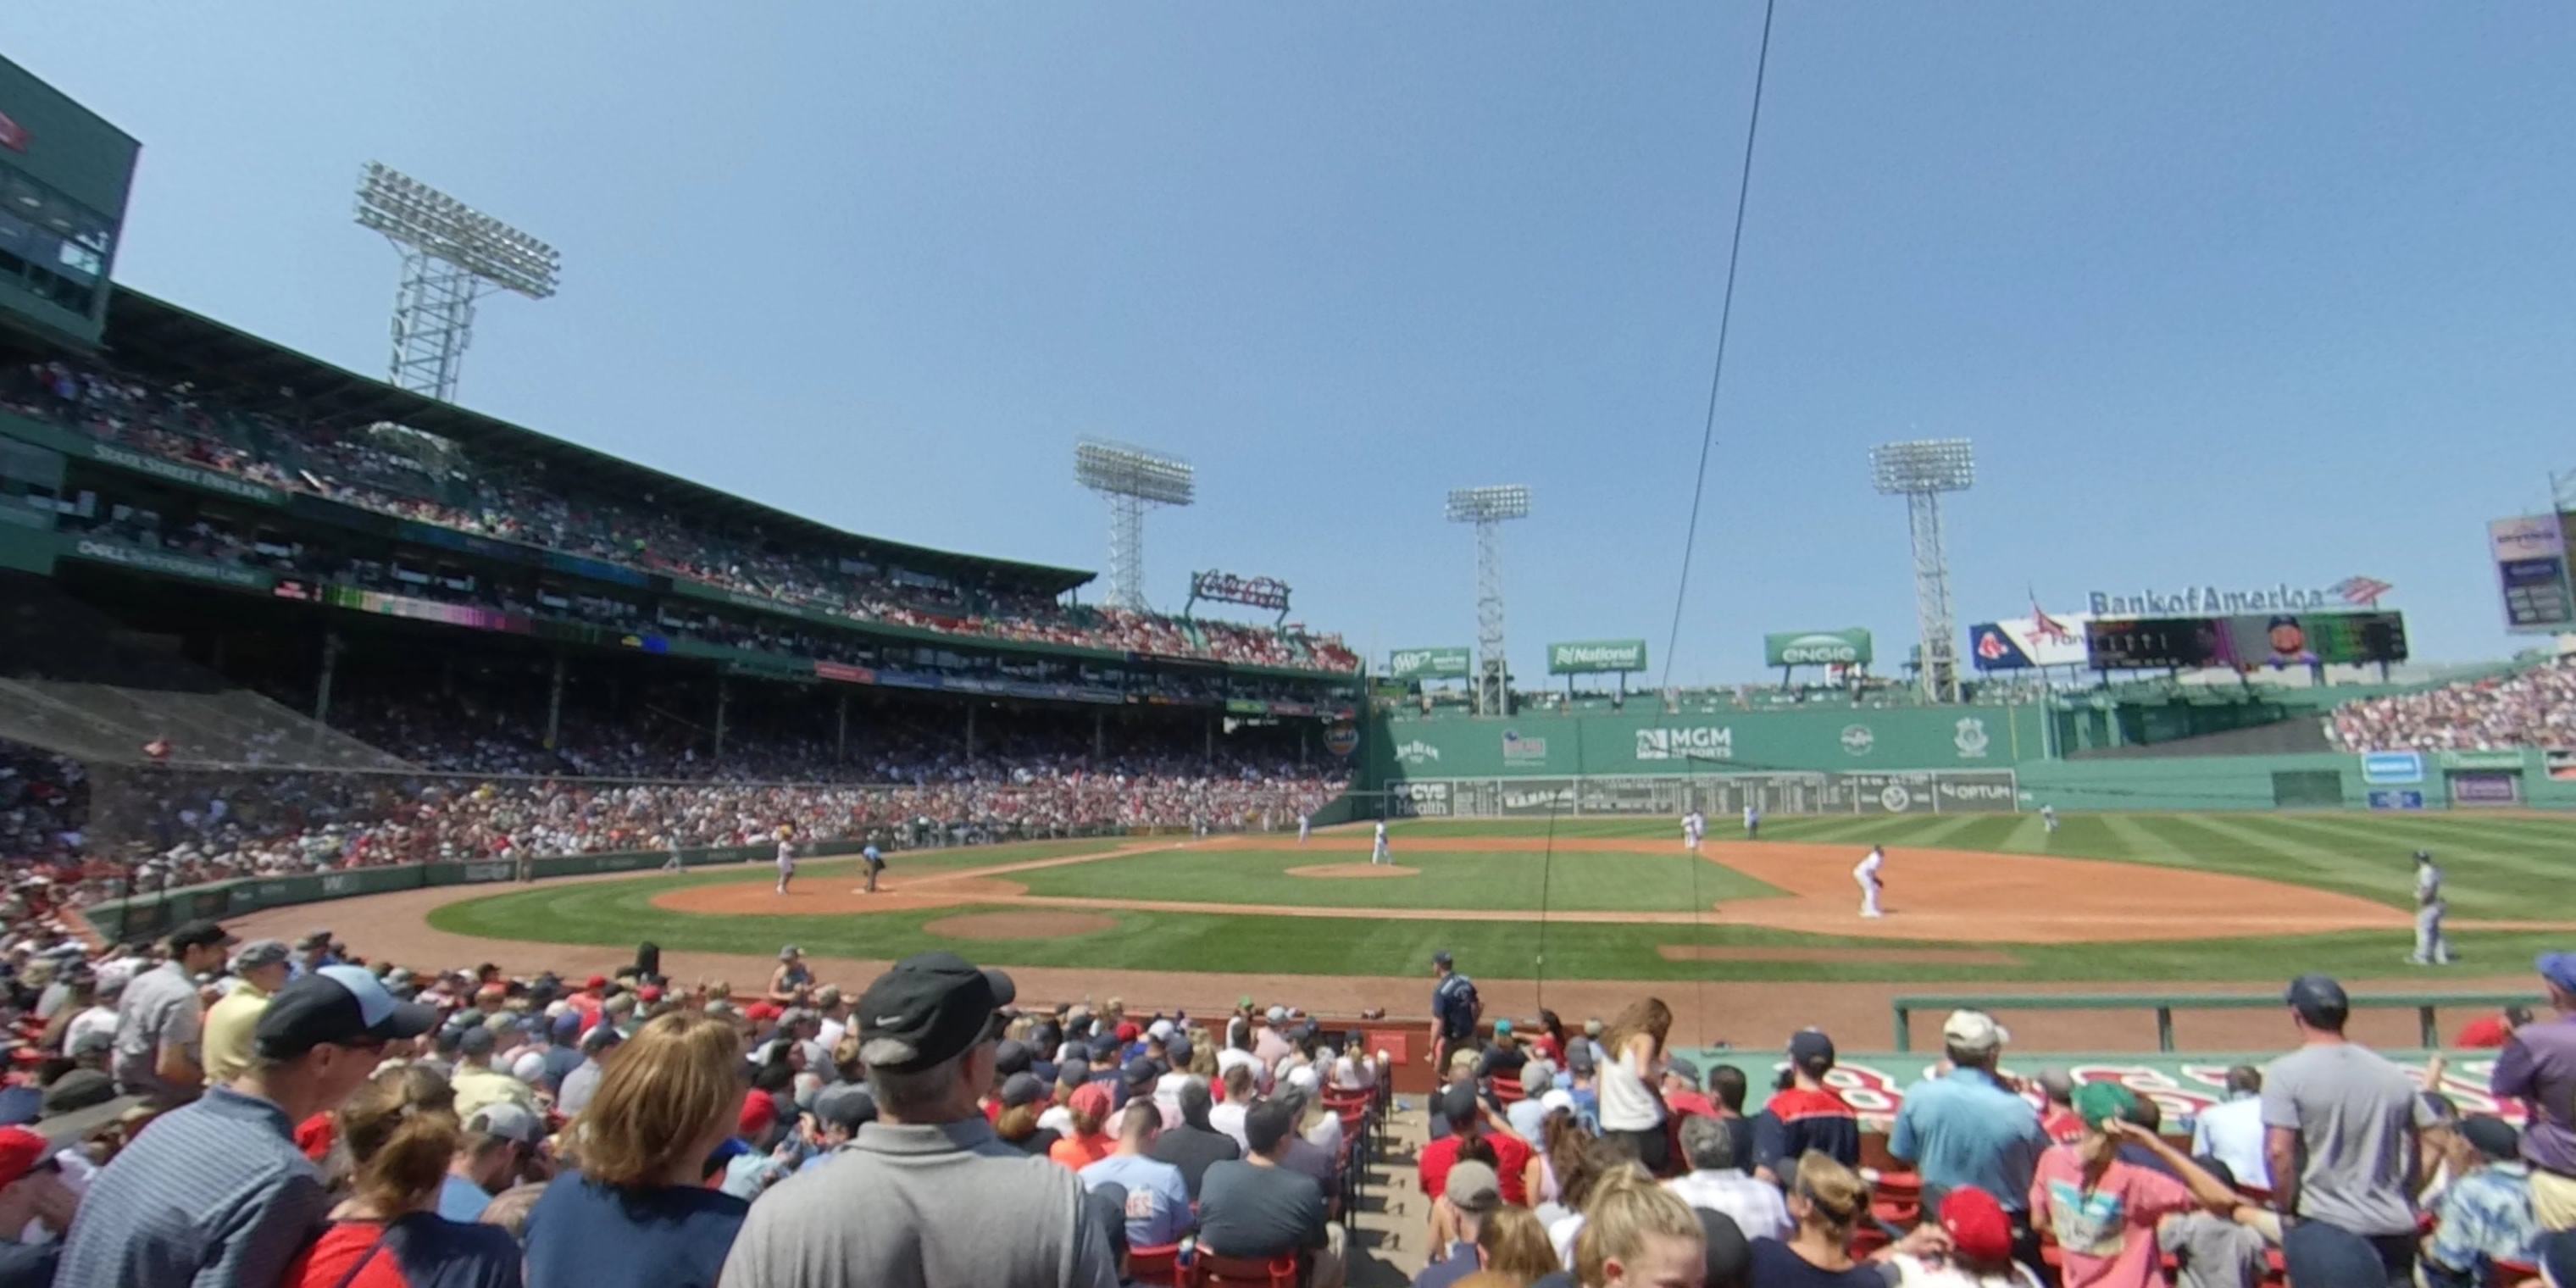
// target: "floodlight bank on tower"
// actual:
[[1130, 478], [1489, 508], [452, 256], [1920, 471]]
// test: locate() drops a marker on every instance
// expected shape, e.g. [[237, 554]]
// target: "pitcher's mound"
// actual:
[[1353, 871], [1021, 925]]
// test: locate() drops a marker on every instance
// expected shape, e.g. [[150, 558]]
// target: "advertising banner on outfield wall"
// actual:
[[2531, 571], [1719, 795], [1585, 657], [1846, 647], [1446, 663]]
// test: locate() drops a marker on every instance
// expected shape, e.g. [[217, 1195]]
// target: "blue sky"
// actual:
[[2236, 294]]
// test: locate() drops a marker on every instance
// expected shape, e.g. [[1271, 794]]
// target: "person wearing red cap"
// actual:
[[1980, 1255], [1089, 1142], [31, 1190]]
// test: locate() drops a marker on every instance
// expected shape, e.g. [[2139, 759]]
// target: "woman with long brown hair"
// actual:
[[635, 1208], [1515, 1244], [1828, 1200], [400, 1131], [1632, 1068]]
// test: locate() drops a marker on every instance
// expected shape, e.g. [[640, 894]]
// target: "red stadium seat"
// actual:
[[1157, 1267], [1209, 1270]]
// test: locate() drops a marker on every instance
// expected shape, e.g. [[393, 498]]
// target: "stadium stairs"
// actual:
[[75, 683]]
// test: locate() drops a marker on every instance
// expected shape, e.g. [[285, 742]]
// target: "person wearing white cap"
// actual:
[[1967, 1128]]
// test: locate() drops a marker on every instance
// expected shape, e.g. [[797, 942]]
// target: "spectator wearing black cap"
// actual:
[[916, 1197], [1191, 1144], [2486, 1214], [1257, 1209], [1024, 1101], [2340, 1126], [160, 1024], [1457, 1106], [1806, 1115], [217, 1192], [839, 1111], [598, 1047]]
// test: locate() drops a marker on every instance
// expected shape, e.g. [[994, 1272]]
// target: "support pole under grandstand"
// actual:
[[322, 687], [554, 705], [1099, 736], [841, 729], [724, 691]]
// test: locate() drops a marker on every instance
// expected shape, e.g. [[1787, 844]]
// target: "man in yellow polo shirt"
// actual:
[[259, 969]]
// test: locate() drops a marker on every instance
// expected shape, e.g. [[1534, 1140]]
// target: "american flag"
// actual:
[[2047, 628], [2364, 591]]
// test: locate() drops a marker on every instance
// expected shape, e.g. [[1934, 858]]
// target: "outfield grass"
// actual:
[[2499, 867], [2506, 868], [1490, 880]]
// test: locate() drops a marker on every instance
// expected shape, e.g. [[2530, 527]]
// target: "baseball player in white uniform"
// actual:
[[786, 860], [2430, 948], [1752, 822], [1304, 824], [1866, 873], [1377, 853], [2048, 819], [1693, 827]]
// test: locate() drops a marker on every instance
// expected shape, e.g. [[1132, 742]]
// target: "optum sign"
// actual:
[[1817, 648], [1587, 656]]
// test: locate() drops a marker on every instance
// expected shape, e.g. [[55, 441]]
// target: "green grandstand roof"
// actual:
[[256, 374]]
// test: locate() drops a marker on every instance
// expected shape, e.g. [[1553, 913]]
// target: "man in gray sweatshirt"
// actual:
[[926, 1195]]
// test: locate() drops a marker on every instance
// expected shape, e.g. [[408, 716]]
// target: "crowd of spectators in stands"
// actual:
[[2530, 708], [203, 1110], [420, 477]]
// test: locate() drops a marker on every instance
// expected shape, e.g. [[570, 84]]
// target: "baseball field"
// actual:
[[1981, 899]]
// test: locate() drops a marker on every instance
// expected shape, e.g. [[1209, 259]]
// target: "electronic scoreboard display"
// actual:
[[2244, 643]]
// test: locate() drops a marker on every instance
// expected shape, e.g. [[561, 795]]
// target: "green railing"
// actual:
[[2426, 1006]]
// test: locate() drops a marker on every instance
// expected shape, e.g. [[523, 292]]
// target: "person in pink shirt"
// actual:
[[2102, 1208]]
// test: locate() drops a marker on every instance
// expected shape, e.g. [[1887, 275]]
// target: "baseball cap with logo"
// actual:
[[335, 1006], [1473, 1187], [930, 1007]]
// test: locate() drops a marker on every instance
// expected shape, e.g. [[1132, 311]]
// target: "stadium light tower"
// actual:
[[452, 255], [1920, 471], [1131, 478], [1489, 508]]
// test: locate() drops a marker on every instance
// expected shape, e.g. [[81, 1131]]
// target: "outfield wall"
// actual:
[[1846, 760]]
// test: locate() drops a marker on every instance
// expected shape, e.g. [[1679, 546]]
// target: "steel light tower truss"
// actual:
[[452, 255], [1489, 508], [1920, 471], [1130, 478]]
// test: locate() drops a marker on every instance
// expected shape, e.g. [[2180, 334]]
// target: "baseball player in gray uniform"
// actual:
[[2430, 948]]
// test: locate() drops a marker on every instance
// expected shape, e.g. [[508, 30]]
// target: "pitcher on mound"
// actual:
[[1377, 853]]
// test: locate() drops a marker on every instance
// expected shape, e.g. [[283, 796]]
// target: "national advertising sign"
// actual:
[[2531, 569], [1848, 647], [2019, 643], [1428, 664], [1588, 656]]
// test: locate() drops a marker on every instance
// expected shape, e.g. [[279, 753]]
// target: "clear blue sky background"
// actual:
[[2224, 293]]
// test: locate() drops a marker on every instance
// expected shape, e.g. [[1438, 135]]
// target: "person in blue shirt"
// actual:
[[2486, 1215], [1157, 1198], [1966, 1129], [876, 864]]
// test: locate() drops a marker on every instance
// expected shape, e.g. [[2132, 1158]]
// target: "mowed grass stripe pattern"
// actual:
[[1476, 881], [2496, 867]]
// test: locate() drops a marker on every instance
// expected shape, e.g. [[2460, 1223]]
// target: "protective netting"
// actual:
[[74, 682]]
